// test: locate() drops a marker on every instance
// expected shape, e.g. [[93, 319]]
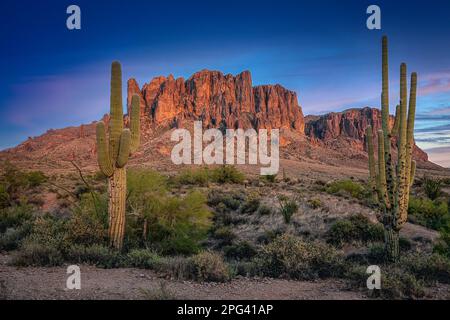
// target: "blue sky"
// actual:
[[53, 77]]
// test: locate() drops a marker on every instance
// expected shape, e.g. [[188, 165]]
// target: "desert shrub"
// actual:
[[4, 196], [37, 254], [251, 205], [342, 187], [179, 224], [13, 181], [432, 187], [143, 258], [225, 235], [376, 254], [246, 268], [227, 174], [203, 176], [271, 178], [428, 268], [398, 284], [293, 257], [231, 201], [88, 223], [97, 255], [442, 246], [355, 228], [199, 177], [15, 216], [404, 244], [12, 238], [287, 208], [177, 267], [264, 210], [35, 178], [428, 213], [241, 250], [315, 203], [47, 232], [269, 235], [210, 266], [175, 225]]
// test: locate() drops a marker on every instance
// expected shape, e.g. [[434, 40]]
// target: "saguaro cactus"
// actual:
[[113, 154], [393, 181]]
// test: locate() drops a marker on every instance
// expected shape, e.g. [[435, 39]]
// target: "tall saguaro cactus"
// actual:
[[113, 154], [393, 181]]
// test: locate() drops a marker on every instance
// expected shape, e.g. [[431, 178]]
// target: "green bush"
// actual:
[[4, 196], [271, 178], [174, 224], [13, 181], [225, 235], [428, 213], [143, 258], [89, 222], [315, 203], [428, 268], [37, 254], [179, 224], [342, 187], [199, 177], [210, 266], [442, 247], [35, 178], [251, 205], [12, 238], [398, 284], [287, 208], [177, 267], [227, 174], [241, 250], [204, 176], [15, 216], [264, 210], [432, 187], [96, 255], [290, 256], [231, 201], [356, 228]]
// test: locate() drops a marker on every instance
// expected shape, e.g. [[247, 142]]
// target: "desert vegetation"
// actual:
[[181, 229]]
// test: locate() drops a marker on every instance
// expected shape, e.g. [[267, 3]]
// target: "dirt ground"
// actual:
[[105, 284]]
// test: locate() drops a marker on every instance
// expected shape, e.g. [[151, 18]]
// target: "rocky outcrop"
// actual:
[[336, 128], [219, 101]]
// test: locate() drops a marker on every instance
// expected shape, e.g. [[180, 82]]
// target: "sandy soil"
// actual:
[[103, 284]]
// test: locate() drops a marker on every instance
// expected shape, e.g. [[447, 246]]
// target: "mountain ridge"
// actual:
[[220, 101]]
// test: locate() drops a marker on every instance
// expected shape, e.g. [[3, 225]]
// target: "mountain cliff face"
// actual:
[[219, 101], [338, 129]]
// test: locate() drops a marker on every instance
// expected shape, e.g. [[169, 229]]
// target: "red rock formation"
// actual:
[[336, 128], [219, 101]]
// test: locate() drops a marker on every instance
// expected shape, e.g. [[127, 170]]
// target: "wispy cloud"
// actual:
[[433, 83]]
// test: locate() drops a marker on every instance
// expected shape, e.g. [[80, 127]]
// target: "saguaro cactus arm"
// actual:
[[124, 148], [104, 160]]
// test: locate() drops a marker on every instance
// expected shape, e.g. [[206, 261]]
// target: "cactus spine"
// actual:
[[113, 154], [393, 183]]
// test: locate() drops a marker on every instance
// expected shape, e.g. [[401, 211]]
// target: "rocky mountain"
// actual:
[[347, 129], [222, 101], [218, 100]]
